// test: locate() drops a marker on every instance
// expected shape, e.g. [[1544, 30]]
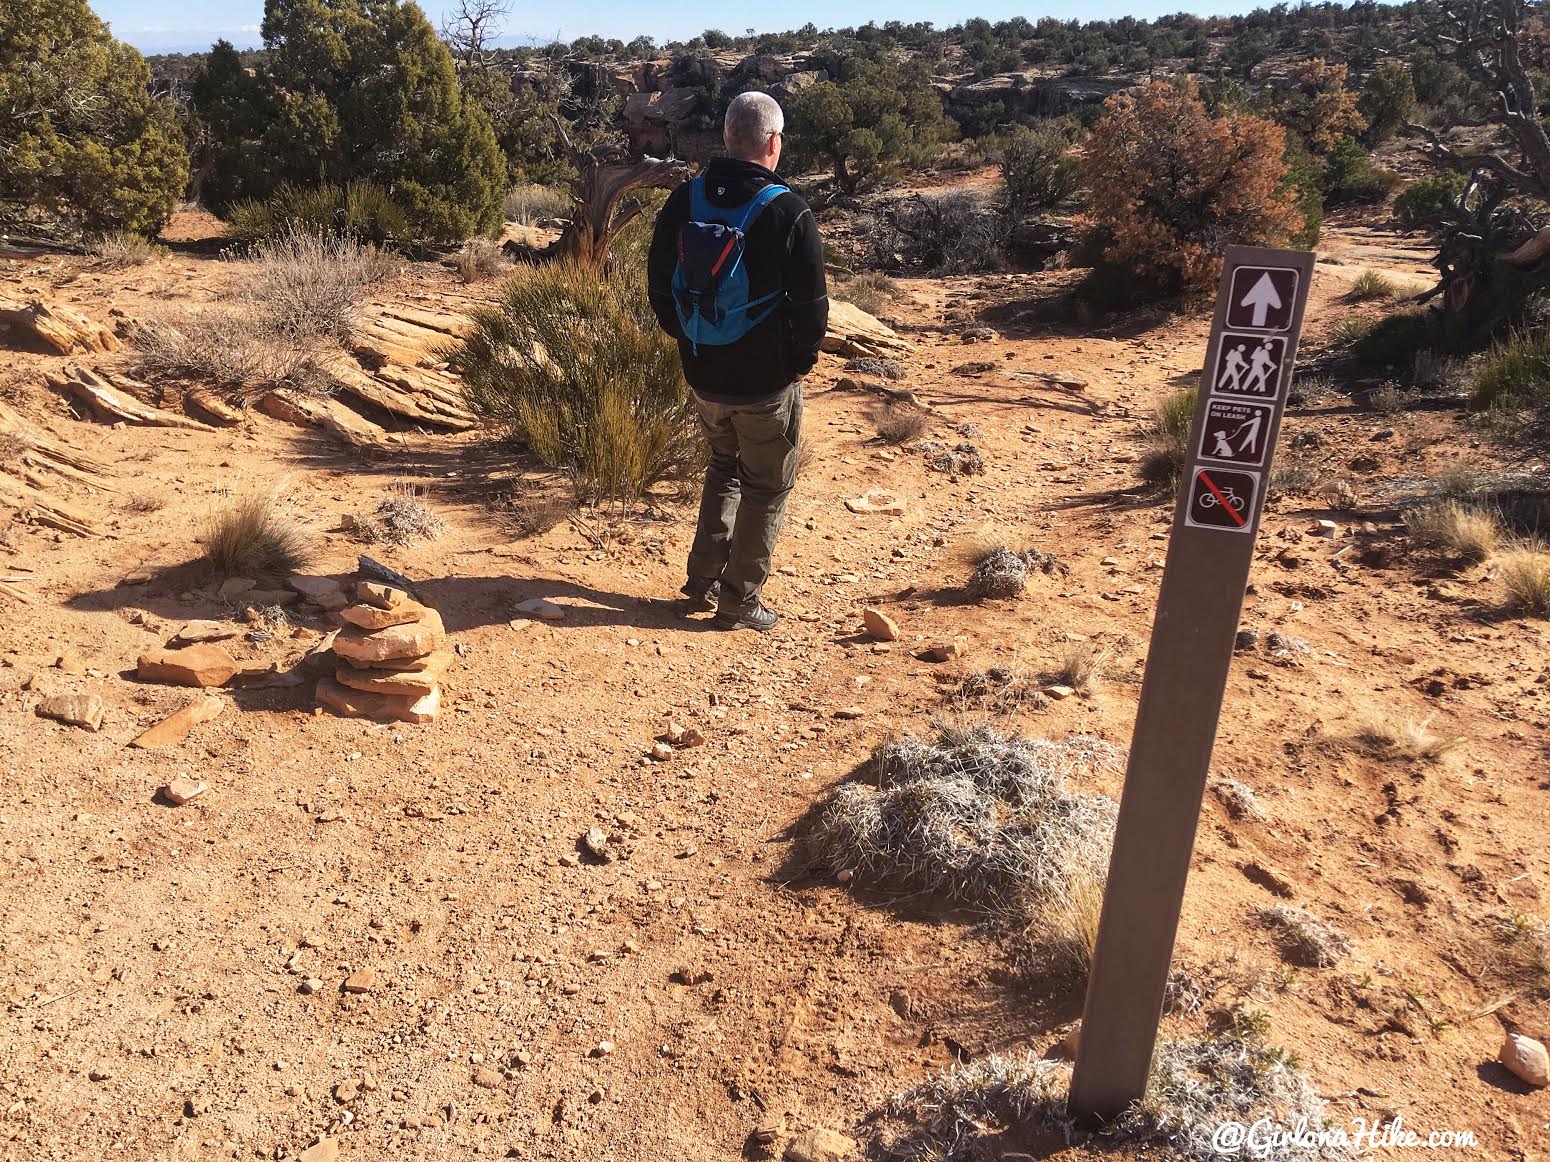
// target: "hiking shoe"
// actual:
[[759, 616], [701, 598]]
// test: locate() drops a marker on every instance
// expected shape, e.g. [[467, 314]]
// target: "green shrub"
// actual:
[[1428, 202], [1392, 342], [1304, 181], [1514, 373], [1037, 170], [1351, 176], [1387, 100], [353, 91], [83, 144], [871, 116], [1370, 284], [572, 363], [1167, 439], [360, 210], [1351, 330]]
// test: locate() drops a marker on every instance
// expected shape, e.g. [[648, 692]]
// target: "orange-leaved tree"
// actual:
[[1318, 106], [1169, 186]]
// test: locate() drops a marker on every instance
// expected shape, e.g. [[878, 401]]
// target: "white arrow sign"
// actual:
[[1263, 299]]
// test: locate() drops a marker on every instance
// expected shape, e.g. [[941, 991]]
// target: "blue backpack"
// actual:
[[710, 283]]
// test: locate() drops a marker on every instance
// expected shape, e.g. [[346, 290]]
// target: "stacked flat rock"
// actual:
[[389, 658]]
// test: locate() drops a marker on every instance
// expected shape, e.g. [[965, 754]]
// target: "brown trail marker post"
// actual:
[[1259, 311]]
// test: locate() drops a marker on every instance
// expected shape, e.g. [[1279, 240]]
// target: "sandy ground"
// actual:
[[151, 956]]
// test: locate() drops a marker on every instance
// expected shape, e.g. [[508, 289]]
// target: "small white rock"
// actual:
[[1527, 1059], [184, 790]]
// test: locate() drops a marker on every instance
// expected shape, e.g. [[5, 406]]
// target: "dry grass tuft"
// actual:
[[807, 455], [1407, 740], [400, 519], [11, 447], [1525, 570], [1525, 953], [974, 1112], [1239, 799], [900, 423], [1080, 665], [1166, 439], [999, 690], [224, 346], [480, 259], [1371, 285], [528, 205], [1303, 938], [307, 287], [1453, 530], [251, 536], [983, 821], [960, 459], [120, 249], [534, 516], [870, 291], [1387, 398]]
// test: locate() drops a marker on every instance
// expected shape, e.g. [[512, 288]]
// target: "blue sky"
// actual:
[[180, 26]]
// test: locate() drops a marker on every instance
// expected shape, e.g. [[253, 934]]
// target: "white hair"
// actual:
[[751, 118]]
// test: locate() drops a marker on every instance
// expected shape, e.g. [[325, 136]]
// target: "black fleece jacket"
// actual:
[[782, 252]]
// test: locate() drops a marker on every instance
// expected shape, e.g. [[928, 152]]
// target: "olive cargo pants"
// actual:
[[753, 464]]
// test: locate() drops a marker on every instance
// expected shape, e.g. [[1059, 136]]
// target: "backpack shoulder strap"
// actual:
[[699, 205], [760, 200]]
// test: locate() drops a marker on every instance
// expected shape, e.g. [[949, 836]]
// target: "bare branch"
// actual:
[[470, 28]]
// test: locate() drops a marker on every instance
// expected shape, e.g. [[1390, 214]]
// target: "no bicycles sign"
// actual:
[[1243, 391]]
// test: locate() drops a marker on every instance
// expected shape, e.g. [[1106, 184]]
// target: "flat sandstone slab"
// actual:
[[372, 618], [201, 665], [414, 683], [175, 727], [399, 641], [349, 703]]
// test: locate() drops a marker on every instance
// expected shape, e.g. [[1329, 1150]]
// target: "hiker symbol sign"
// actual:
[[1248, 365]]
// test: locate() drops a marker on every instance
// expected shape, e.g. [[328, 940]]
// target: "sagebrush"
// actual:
[[998, 1104], [984, 821], [292, 307]]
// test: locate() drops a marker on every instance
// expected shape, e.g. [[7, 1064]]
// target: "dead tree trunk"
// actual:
[[1491, 233], [603, 177]]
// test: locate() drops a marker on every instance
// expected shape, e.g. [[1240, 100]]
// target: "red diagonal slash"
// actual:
[[1217, 492]]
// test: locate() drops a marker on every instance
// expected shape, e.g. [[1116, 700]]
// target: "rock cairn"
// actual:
[[389, 658]]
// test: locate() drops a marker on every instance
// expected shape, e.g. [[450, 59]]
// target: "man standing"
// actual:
[[736, 276]]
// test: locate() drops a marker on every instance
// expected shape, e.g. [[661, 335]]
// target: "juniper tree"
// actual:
[[356, 91], [83, 143]]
